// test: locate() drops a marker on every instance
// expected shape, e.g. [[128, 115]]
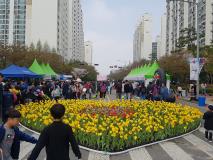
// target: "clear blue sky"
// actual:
[[110, 25]]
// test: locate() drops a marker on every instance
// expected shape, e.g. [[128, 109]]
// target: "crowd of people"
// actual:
[[57, 136], [19, 92], [25, 91], [154, 91]]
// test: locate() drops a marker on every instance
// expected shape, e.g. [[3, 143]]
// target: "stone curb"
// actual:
[[126, 151]]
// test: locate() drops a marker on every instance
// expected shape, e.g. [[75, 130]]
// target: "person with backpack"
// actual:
[[56, 138], [11, 136]]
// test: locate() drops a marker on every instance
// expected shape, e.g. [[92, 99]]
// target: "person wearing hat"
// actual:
[[208, 124]]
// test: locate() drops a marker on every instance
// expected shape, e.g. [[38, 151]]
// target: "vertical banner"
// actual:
[[196, 67], [194, 70]]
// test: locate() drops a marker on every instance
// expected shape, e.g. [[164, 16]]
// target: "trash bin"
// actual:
[[202, 101]]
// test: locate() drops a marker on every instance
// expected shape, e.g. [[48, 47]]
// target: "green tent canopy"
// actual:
[[36, 68], [46, 71], [150, 73], [42, 69], [51, 70], [146, 71]]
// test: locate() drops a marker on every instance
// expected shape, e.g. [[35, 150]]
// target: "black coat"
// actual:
[[208, 117], [56, 138], [118, 87], [128, 88]]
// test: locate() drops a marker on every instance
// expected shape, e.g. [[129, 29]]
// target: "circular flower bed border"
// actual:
[[117, 126], [125, 151]]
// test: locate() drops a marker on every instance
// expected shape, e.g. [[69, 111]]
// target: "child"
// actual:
[[208, 124], [10, 136], [56, 138]]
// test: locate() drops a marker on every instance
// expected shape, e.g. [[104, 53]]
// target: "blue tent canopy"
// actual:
[[29, 72], [14, 71]]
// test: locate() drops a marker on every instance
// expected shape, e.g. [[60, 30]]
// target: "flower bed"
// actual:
[[116, 126]]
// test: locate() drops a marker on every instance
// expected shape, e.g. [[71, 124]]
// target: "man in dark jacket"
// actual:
[[10, 136], [56, 138], [127, 90], [118, 88], [208, 124], [149, 91]]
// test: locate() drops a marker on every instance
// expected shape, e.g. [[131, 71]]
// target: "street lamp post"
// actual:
[[198, 41]]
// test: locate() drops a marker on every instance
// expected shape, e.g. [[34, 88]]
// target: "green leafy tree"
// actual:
[[187, 39], [23, 56], [177, 66]]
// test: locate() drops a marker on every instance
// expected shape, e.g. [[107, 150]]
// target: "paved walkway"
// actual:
[[209, 100], [191, 147]]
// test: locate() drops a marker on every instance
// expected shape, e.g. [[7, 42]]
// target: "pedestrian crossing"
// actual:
[[174, 151], [137, 154], [191, 147]]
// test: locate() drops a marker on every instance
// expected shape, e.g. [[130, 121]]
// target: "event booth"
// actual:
[[14, 71], [44, 70], [146, 73], [36, 70]]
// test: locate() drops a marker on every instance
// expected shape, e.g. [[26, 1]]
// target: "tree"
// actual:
[[187, 39], [177, 66], [46, 47], [209, 68], [90, 71], [21, 56], [32, 47], [54, 50], [39, 46]]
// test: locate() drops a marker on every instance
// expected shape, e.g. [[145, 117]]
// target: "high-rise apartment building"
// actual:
[[56, 22], [60, 24], [158, 41], [176, 18], [88, 52], [183, 15], [154, 51], [162, 49], [142, 43], [13, 24], [179, 16], [77, 48], [205, 20]]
